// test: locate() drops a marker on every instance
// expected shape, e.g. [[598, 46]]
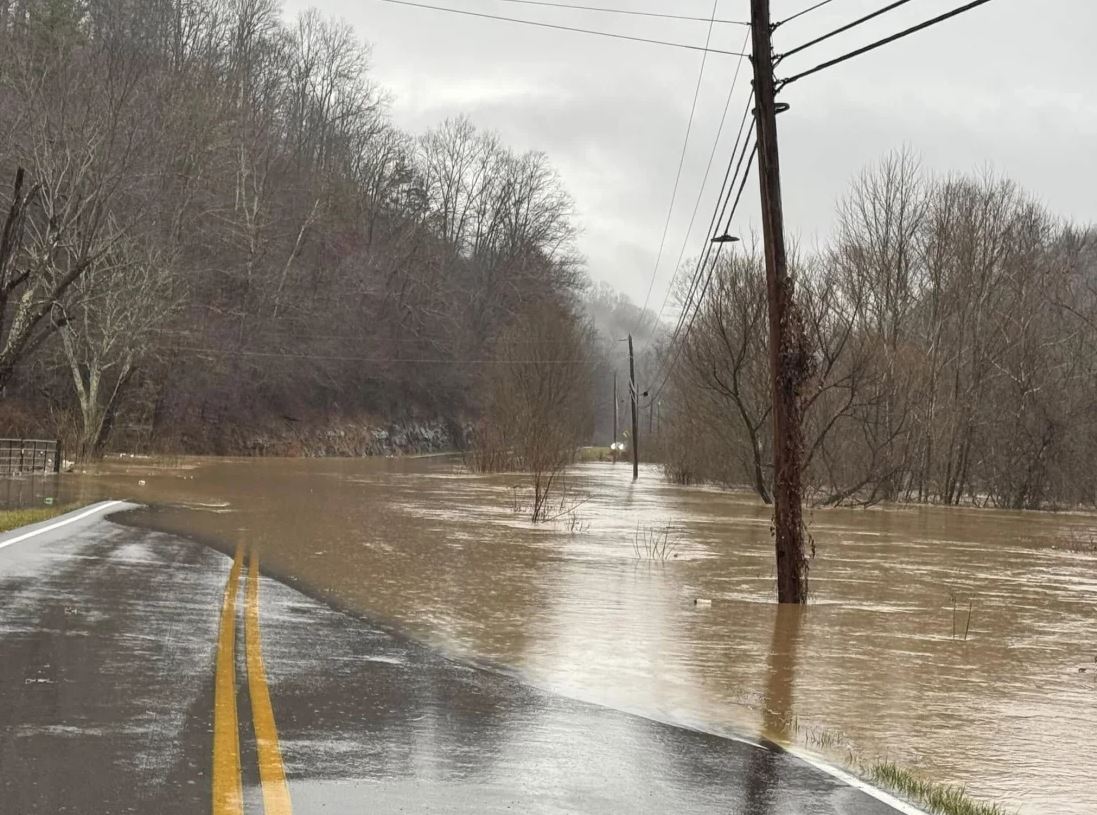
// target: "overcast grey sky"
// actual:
[[1001, 86]]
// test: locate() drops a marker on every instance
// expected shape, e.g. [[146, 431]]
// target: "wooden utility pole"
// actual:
[[616, 402], [635, 414], [786, 347]]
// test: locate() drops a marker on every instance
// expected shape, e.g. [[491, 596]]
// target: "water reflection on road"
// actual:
[[878, 664]]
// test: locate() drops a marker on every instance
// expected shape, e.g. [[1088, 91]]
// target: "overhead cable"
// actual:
[[843, 29], [704, 180], [718, 218], [681, 165], [692, 308], [592, 31], [243, 352], [880, 43], [723, 197], [802, 13], [626, 12], [743, 176], [704, 292]]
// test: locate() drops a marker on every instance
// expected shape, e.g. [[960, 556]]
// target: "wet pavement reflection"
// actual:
[[877, 666]]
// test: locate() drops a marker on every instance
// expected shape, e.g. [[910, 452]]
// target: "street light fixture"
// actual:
[[725, 238]]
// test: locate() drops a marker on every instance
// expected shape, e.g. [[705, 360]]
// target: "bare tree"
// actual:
[[74, 130], [724, 366], [538, 396], [110, 329]]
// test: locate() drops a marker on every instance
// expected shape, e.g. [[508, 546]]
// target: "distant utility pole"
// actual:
[[616, 402], [635, 414], [786, 348]]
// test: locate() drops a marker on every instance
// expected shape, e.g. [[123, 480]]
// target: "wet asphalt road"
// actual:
[[109, 645]]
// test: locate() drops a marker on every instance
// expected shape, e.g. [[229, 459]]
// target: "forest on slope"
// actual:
[[212, 225]]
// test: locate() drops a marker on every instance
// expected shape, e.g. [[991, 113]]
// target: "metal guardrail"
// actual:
[[29, 456]]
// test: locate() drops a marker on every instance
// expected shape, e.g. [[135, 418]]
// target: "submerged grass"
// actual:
[[941, 799], [15, 518], [933, 797]]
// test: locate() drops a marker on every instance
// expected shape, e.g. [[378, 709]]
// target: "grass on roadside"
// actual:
[[940, 799], [933, 797], [15, 518]]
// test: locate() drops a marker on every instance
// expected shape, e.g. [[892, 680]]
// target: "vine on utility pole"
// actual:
[[789, 360]]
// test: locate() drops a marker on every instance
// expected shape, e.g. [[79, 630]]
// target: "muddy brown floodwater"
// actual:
[[886, 662]]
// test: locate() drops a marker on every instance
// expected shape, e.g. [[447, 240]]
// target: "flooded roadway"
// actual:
[[885, 663], [128, 686]]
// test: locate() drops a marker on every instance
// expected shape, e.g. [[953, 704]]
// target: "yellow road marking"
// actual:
[[271, 770], [228, 796]]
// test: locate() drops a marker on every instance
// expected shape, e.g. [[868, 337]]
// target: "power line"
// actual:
[[844, 28], [711, 271], [742, 186], [717, 213], [273, 334], [564, 28], [741, 176], [879, 43], [727, 227], [228, 352], [704, 180], [718, 217], [678, 337], [703, 258], [802, 13], [627, 12], [677, 343], [681, 164]]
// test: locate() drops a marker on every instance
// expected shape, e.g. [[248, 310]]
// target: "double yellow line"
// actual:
[[228, 795]]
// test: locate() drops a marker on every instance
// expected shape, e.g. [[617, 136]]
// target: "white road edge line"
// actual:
[[846, 778], [64, 522], [855, 782]]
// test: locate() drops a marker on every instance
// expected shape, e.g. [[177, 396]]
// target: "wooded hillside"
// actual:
[[210, 221]]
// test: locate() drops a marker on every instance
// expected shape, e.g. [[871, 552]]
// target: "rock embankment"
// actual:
[[310, 437], [356, 439]]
